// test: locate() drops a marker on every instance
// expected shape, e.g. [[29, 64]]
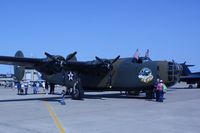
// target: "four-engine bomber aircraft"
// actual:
[[119, 74]]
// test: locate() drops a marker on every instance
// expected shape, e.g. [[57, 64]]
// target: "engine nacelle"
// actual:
[[19, 70]]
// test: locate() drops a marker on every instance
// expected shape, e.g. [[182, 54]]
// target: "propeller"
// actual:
[[59, 60], [109, 66], [50, 56], [107, 63]]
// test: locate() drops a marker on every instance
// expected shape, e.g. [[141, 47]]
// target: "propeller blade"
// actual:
[[117, 58], [109, 66], [71, 56], [49, 56], [99, 59], [55, 58]]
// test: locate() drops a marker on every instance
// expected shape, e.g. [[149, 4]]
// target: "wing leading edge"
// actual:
[[26, 62], [49, 66]]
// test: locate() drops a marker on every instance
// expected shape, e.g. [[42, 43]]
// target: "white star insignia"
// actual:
[[70, 76]]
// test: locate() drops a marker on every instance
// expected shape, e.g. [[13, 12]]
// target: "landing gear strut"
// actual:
[[77, 91], [150, 94], [52, 88]]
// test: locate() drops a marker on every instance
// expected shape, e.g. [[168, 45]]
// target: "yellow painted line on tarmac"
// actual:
[[55, 118]]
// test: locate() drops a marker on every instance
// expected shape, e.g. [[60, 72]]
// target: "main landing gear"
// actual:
[[77, 91], [150, 94]]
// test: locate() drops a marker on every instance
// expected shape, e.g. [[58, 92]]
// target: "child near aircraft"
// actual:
[[62, 101]]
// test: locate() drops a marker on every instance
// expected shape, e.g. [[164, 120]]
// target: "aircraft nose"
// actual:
[[174, 71]]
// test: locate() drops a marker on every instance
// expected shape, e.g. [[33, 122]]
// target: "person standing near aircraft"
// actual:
[[63, 94], [34, 88], [46, 87], [26, 88], [19, 87], [155, 88], [159, 91]]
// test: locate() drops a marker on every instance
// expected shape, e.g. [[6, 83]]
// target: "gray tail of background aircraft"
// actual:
[[189, 77]]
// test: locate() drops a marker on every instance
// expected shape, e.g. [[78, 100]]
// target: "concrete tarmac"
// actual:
[[102, 112]]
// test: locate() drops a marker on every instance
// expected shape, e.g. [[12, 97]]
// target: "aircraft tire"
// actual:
[[78, 92], [134, 93], [191, 86]]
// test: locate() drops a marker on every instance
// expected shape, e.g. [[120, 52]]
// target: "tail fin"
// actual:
[[186, 71], [19, 70]]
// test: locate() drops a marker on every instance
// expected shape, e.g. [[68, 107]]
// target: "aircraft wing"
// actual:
[[26, 62], [33, 63], [98, 66], [85, 67], [55, 64]]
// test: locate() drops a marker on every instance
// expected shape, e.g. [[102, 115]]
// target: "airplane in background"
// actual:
[[189, 77], [133, 74]]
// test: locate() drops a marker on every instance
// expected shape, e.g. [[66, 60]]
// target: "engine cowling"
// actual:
[[19, 71]]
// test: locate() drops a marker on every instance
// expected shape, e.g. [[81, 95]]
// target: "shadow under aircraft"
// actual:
[[134, 75]]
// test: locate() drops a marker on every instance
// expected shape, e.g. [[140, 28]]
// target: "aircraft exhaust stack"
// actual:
[[19, 70]]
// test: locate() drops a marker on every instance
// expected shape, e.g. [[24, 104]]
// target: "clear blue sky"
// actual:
[[106, 28]]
